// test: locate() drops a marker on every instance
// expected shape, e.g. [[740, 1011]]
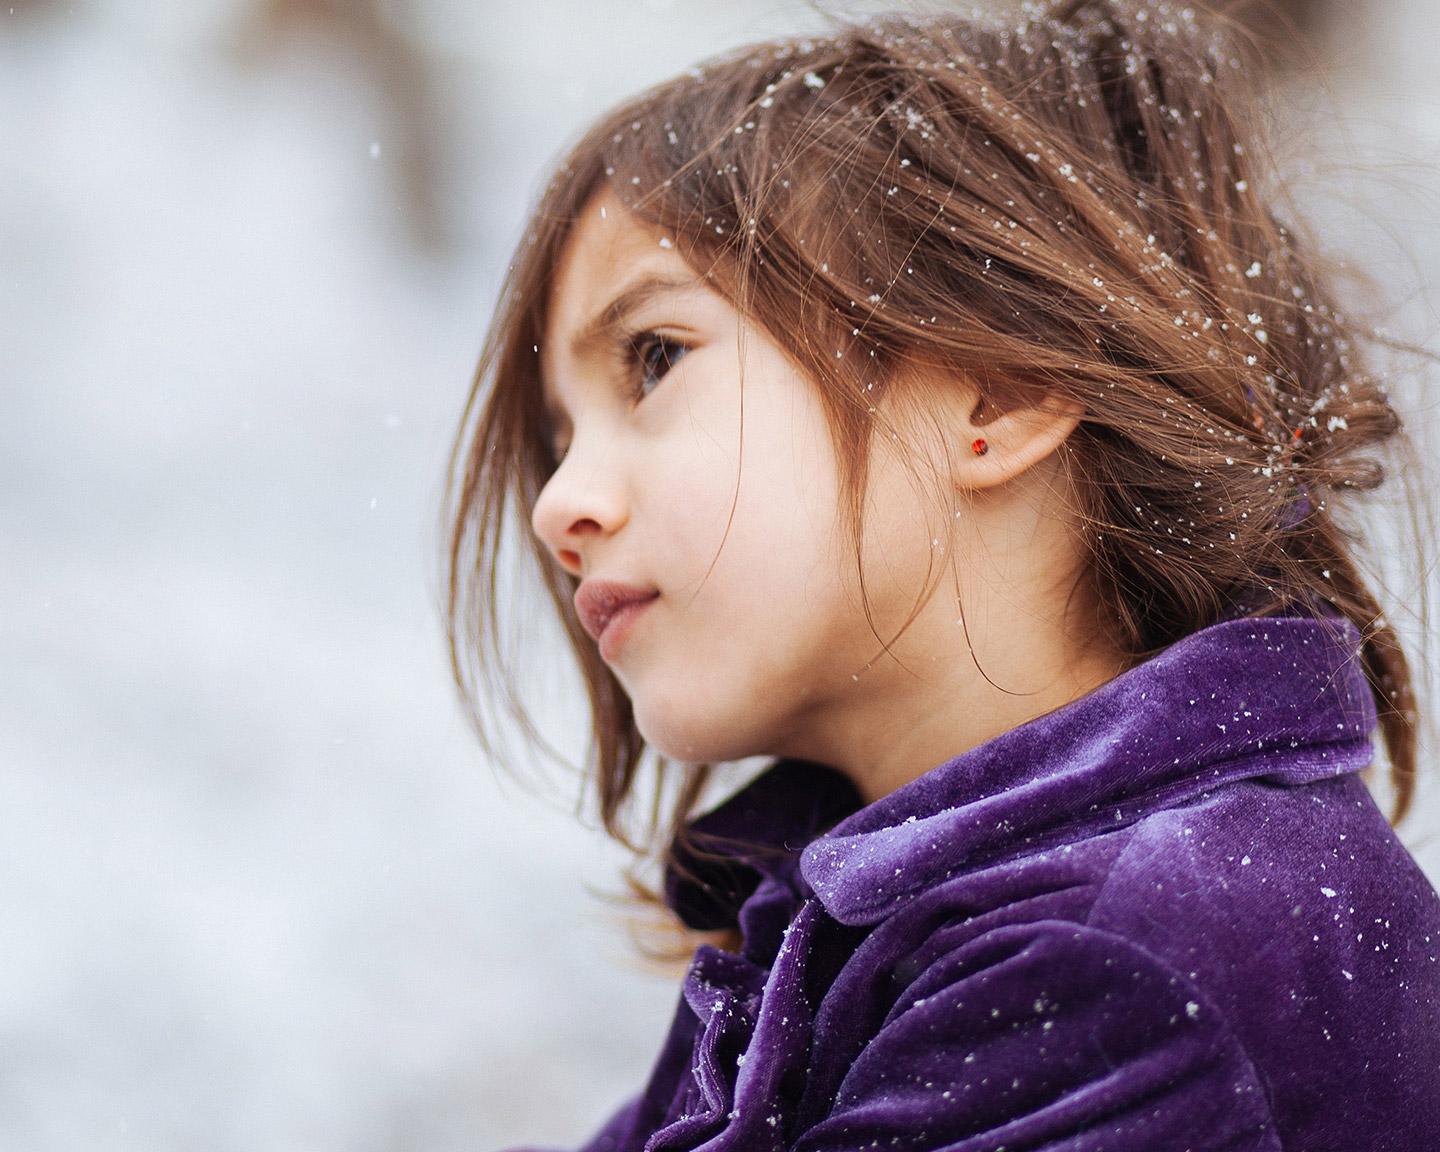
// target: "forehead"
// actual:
[[605, 247]]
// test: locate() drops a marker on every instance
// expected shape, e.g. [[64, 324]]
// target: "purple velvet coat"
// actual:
[[1167, 916]]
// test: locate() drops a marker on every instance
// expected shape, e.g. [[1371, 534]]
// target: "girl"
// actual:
[[938, 407]]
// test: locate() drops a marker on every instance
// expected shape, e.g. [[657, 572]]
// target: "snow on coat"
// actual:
[[1165, 917]]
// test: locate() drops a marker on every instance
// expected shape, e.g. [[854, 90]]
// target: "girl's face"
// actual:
[[759, 646]]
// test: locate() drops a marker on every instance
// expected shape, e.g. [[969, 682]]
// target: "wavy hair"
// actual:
[[1078, 204]]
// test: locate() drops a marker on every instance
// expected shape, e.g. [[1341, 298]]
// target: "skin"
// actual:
[[762, 647]]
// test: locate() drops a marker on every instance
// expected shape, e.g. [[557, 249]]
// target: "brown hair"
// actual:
[[1075, 205]]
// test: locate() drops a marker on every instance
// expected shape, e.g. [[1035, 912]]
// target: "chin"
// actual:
[[696, 740]]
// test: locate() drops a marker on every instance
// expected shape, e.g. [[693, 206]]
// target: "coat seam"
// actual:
[[1165, 965]]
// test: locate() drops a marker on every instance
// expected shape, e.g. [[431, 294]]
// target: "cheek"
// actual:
[[750, 541], [693, 503]]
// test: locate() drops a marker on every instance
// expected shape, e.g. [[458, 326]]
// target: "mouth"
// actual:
[[599, 603], [618, 625]]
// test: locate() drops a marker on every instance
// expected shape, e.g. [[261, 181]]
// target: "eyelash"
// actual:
[[640, 346]]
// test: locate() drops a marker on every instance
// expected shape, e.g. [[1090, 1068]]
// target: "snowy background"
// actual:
[[258, 888]]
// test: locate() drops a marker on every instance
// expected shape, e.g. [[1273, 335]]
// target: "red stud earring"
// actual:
[[979, 447]]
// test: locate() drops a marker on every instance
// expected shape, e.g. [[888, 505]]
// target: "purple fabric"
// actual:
[[1167, 916]]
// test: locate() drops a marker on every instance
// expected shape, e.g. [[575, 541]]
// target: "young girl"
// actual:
[[937, 407]]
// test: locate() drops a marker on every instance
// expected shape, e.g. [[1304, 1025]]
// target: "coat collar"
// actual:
[[758, 832], [1283, 699]]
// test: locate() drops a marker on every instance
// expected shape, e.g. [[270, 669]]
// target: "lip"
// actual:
[[607, 609], [618, 628]]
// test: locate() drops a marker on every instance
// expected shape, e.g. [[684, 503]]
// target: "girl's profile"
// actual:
[[946, 408]]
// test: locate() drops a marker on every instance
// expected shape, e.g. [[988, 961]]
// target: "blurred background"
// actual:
[[258, 887]]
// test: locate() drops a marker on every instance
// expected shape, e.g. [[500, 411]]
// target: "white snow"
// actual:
[[259, 882]]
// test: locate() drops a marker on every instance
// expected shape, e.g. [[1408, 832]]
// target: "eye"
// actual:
[[656, 355], [653, 355]]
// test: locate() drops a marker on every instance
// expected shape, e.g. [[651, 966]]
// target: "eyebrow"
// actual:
[[602, 328]]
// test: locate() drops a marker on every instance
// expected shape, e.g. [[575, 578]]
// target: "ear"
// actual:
[[1019, 430], [1021, 422]]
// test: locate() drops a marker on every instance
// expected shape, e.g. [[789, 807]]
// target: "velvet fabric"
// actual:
[[1165, 917]]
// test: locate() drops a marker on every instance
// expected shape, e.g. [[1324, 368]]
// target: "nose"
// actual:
[[576, 507]]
